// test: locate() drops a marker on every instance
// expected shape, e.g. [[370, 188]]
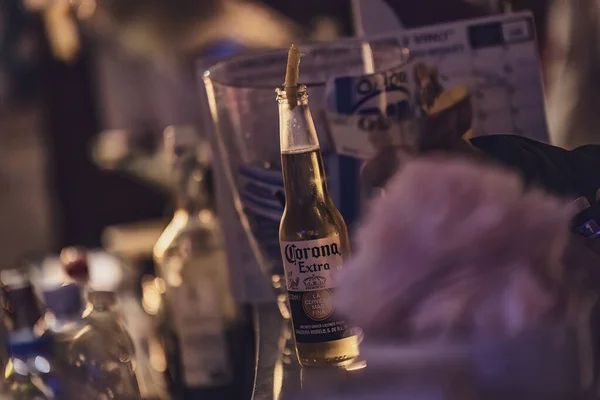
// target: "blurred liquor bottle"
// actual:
[[31, 372], [208, 349], [108, 369], [86, 369]]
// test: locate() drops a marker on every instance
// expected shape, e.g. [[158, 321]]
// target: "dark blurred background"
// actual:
[[73, 72]]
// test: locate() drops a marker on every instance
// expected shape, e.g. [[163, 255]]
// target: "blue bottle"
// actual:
[[30, 371]]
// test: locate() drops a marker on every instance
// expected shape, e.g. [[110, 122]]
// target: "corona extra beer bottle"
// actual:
[[313, 235]]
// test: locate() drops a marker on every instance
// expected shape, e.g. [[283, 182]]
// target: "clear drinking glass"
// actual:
[[247, 167], [250, 196]]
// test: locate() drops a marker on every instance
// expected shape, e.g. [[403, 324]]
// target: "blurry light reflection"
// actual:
[[151, 297], [20, 367], [206, 216], [8, 369], [277, 379], [158, 360], [86, 9], [283, 306], [35, 5], [357, 365], [42, 364], [160, 285]]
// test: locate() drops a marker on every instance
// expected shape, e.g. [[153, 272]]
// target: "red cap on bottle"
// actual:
[[75, 263]]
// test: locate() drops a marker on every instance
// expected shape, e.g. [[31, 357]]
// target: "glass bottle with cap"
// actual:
[[191, 260], [64, 306], [30, 372], [103, 316], [109, 367]]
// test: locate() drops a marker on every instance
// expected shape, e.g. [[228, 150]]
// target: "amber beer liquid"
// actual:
[[314, 241]]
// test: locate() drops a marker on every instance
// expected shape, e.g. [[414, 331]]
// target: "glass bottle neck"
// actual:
[[301, 159], [192, 189], [304, 178], [296, 125]]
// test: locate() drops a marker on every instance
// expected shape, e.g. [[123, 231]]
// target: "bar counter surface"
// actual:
[[553, 363]]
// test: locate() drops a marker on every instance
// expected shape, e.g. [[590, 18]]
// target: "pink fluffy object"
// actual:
[[456, 250]]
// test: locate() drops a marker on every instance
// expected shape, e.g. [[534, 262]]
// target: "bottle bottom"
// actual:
[[334, 353]]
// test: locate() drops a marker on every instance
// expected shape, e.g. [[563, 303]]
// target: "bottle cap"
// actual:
[[75, 263], [64, 301]]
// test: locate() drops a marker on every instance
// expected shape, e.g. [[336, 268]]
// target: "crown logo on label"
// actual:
[[315, 282]]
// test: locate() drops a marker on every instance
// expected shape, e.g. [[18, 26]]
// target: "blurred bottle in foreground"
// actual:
[[102, 314], [30, 372], [63, 316], [191, 261], [63, 319], [104, 350]]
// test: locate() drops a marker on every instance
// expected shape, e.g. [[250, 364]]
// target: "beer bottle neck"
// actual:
[[302, 163], [304, 178], [296, 125]]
